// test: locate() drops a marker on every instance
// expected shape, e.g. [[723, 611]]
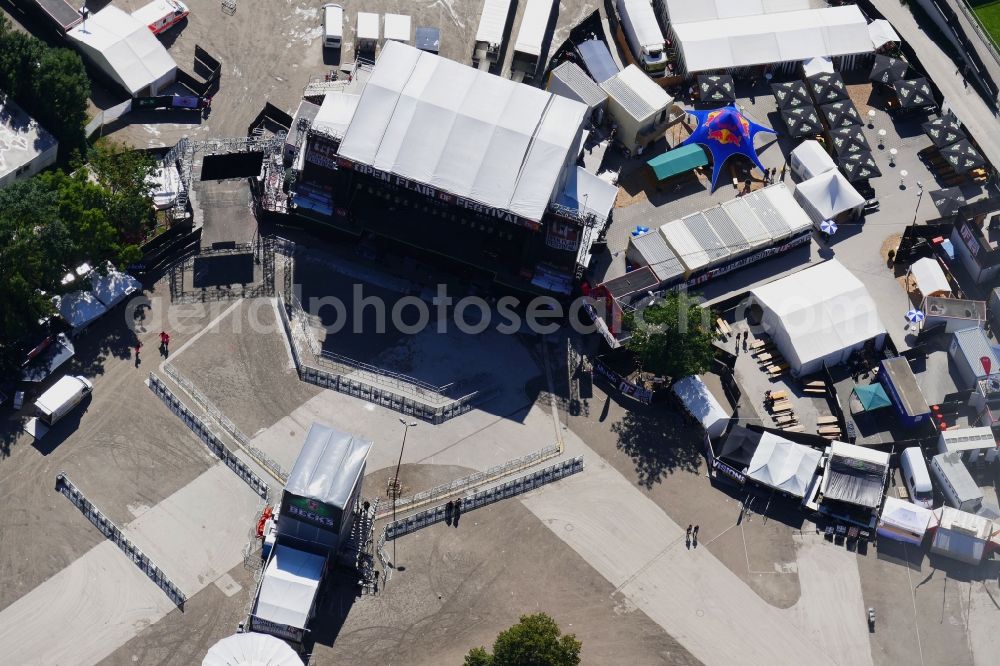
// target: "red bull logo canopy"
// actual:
[[726, 132]]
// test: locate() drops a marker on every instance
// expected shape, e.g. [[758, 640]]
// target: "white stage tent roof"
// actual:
[[336, 112], [125, 49], [772, 38], [113, 288], [827, 195], [251, 649], [822, 313], [930, 278], [291, 580], [79, 308], [809, 159], [784, 465], [469, 133], [702, 405], [685, 11], [903, 521]]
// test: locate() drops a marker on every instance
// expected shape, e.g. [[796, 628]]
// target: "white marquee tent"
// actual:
[[79, 309], [818, 315], [784, 465], [437, 122], [809, 159], [829, 196], [336, 112], [701, 404], [126, 50], [743, 41], [113, 288], [685, 11], [817, 65], [289, 587], [930, 279], [882, 33], [251, 649], [903, 521]]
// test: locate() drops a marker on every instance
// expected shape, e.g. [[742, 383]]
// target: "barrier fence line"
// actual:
[[115, 534], [486, 497], [242, 440], [215, 445], [475, 479]]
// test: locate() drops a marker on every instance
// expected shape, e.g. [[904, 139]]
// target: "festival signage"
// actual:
[[563, 236], [285, 631], [632, 390], [311, 511]]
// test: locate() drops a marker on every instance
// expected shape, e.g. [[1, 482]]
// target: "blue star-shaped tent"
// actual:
[[726, 132]]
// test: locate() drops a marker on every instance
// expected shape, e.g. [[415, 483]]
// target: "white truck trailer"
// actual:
[[530, 37], [490, 35], [56, 403], [644, 36]]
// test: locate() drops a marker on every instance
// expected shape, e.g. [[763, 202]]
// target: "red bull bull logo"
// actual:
[[725, 126]]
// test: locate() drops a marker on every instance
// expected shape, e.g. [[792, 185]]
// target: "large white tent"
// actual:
[[126, 50], [818, 316], [903, 521], [685, 11], [251, 649], [288, 590], [761, 39], [698, 400], [829, 196], [809, 159], [469, 133], [784, 465]]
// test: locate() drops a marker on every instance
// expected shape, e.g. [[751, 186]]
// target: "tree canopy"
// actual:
[[672, 337], [51, 84], [534, 641]]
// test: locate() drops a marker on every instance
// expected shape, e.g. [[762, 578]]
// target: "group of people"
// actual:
[[692, 537], [452, 512], [164, 347]]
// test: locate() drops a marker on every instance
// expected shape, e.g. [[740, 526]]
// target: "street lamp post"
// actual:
[[395, 481], [920, 194]]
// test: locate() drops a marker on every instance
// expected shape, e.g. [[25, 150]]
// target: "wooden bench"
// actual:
[[794, 428], [724, 327], [829, 431], [777, 395], [785, 419], [814, 391], [826, 420], [815, 384], [758, 343], [903, 493], [781, 405], [765, 357]]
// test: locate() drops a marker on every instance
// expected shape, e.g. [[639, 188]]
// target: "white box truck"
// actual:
[[644, 36], [56, 403], [530, 39], [491, 33]]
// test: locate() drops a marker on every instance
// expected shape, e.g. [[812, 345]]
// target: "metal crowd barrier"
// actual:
[[215, 445], [483, 498], [115, 534]]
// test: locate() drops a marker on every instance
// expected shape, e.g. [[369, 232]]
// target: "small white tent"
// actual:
[[829, 196], [818, 316], [930, 279], [903, 521], [698, 400], [809, 159], [251, 649], [784, 465], [882, 33]]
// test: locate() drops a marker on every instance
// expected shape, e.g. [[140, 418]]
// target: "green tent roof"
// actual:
[[678, 161], [872, 396]]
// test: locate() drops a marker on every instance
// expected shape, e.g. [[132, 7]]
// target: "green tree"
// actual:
[[19, 57], [534, 641], [672, 337], [60, 91], [124, 174]]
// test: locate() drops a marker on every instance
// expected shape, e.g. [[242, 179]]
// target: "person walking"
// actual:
[[164, 343], [449, 512], [694, 536], [783, 167], [458, 512], [138, 346]]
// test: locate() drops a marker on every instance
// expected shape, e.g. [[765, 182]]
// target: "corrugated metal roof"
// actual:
[[746, 220], [652, 248], [685, 245], [974, 344], [726, 230], [713, 246], [573, 77], [636, 92], [769, 216]]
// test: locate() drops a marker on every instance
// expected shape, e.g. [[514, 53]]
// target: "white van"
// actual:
[[916, 477], [333, 25], [56, 403]]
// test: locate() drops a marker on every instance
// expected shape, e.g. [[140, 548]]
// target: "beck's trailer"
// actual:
[[490, 35], [644, 35], [530, 38], [57, 402]]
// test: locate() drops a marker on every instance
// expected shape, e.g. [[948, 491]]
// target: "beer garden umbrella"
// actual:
[[791, 94], [962, 156], [716, 88], [827, 87], [948, 200], [914, 93], [801, 121], [888, 70], [849, 141], [859, 166], [943, 131], [840, 114]]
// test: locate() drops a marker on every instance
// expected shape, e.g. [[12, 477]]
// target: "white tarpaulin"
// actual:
[[126, 50], [809, 159], [931, 280], [367, 25], [903, 521], [818, 65], [466, 132], [828, 195], [784, 465], [772, 38], [701, 404], [113, 288], [336, 112], [166, 185], [396, 27], [291, 580], [251, 649], [820, 314], [685, 11], [882, 33], [79, 308]]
